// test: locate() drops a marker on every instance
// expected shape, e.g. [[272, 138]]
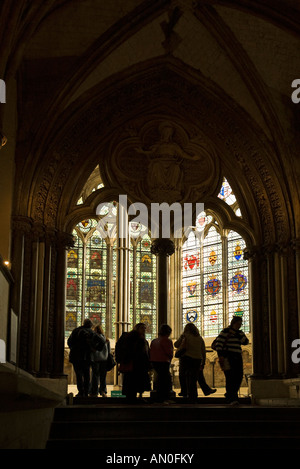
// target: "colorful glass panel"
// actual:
[[238, 287], [213, 282], [74, 285], [205, 284], [191, 293], [226, 193], [143, 286]]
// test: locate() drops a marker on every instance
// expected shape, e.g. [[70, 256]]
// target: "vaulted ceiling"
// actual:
[[69, 56]]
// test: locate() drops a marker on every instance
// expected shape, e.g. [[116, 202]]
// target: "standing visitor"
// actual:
[[81, 342], [161, 354], [132, 352], [99, 366], [228, 347], [193, 353]]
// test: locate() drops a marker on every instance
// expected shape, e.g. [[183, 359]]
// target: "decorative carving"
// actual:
[[162, 164], [248, 148]]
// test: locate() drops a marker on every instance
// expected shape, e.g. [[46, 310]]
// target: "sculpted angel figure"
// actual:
[[164, 169]]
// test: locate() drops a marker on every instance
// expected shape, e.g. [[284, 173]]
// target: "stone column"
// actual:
[[295, 244], [123, 286], [20, 226], [254, 258], [163, 248], [109, 298], [175, 320], [123, 271], [63, 242], [49, 256]]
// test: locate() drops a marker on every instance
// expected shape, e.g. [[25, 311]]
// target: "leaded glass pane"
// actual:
[[191, 281], [226, 193], [212, 283], [214, 279], [95, 277], [238, 280], [145, 291], [74, 284]]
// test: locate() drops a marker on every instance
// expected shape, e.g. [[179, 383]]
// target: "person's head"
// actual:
[[87, 323], [236, 323], [98, 329], [164, 330], [140, 328], [190, 328]]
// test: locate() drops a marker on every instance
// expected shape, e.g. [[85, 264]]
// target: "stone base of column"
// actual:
[[274, 392]]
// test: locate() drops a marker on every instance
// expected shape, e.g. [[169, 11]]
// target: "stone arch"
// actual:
[[81, 138], [161, 87]]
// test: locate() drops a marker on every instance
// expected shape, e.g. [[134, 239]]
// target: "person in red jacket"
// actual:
[[161, 354]]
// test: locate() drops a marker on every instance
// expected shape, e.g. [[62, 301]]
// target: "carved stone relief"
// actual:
[[161, 163]]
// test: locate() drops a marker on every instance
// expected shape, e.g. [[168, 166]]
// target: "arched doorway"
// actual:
[[108, 124]]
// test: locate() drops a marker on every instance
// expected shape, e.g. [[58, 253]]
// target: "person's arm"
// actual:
[[179, 341]]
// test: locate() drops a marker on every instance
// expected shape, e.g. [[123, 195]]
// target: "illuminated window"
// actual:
[[91, 278], [214, 273], [87, 277], [143, 283]]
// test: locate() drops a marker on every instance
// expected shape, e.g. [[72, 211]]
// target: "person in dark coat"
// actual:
[[98, 364], [136, 366], [81, 342]]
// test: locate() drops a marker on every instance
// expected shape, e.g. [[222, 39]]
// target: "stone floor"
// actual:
[[244, 392]]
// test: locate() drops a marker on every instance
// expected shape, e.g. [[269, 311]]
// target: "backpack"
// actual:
[[96, 342]]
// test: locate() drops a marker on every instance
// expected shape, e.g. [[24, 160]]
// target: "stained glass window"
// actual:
[[86, 286], [143, 281], [213, 282], [214, 273], [74, 284], [92, 282], [96, 277], [191, 280], [226, 193], [238, 280]]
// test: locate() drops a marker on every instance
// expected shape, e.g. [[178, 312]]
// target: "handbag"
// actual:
[[110, 362]]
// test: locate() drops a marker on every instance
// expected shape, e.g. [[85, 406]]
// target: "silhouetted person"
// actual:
[[81, 342], [161, 354], [229, 349], [189, 363], [98, 364], [134, 364]]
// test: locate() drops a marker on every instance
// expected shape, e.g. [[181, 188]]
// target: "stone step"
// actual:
[[175, 444], [190, 428], [107, 426], [173, 412]]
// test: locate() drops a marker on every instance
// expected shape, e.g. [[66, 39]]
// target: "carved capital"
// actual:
[[21, 225], [295, 244], [64, 240], [162, 246]]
